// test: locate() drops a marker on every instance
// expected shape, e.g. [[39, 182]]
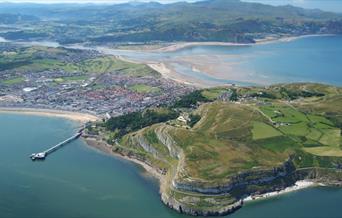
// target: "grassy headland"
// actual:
[[231, 142]]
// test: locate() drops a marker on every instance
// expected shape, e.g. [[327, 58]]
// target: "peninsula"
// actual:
[[195, 92], [215, 147]]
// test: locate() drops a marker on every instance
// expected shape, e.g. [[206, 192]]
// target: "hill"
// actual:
[[212, 20], [229, 143], [21, 60]]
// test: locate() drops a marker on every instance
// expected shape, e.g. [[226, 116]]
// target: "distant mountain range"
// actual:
[[212, 20]]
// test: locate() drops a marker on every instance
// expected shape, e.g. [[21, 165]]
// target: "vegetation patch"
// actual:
[[70, 79], [325, 151], [331, 137], [251, 138], [111, 64], [142, 88], [263, 130], [38, 59], [278, 144], [191, 100], [13, 81], [297, 129], [214, 93], [137, 120]]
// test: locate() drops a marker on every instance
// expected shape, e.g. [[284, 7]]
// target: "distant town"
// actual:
[[107, 93]]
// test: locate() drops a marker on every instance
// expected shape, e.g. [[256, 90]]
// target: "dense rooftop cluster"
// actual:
[[52, 79]]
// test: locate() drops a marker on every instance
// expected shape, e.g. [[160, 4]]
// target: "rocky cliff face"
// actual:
[[198, 198], [280, 181], [167, 140], [184, 208], [140, 141], [238, 181]]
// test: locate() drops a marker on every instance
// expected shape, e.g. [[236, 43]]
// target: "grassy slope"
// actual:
[[111, 64], [219, 147], [232, 138], [13, 81], [142, 88], [30, 60]]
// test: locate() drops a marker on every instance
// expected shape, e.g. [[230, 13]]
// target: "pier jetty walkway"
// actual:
[[42, 155]]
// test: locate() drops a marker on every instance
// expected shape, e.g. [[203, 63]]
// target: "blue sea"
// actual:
[[78, 181], [306, 59]]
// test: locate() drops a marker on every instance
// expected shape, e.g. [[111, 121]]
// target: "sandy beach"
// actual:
[[267, 40], [74, 116], [224, 67], [169, 73], [298, 186], [181, 45]]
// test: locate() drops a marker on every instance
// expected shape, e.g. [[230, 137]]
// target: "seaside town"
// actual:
[[106, 93]]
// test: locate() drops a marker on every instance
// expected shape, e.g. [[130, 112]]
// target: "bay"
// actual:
[[79, 181], [305, 59]]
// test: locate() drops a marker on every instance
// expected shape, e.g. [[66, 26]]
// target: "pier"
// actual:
[[42, 155]]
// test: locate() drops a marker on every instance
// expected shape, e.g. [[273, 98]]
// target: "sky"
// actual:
[[327, 5]]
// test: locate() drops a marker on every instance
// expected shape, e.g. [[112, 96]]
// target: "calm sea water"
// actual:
[[75, 181], [78, 181], [309, 59]]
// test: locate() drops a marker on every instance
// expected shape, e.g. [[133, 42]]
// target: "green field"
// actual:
[[111, 64], [70, 79], [325, 151], [311, 130], [13, 81], [297, 129], [263, 130], [284, 113], [142, 88], [214, 93], [30, 59]]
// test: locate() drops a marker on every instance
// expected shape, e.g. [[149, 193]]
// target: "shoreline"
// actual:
[[181, 45], [74, 116], [168, 72], [104, 147], [299, 185], [80, 117]]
